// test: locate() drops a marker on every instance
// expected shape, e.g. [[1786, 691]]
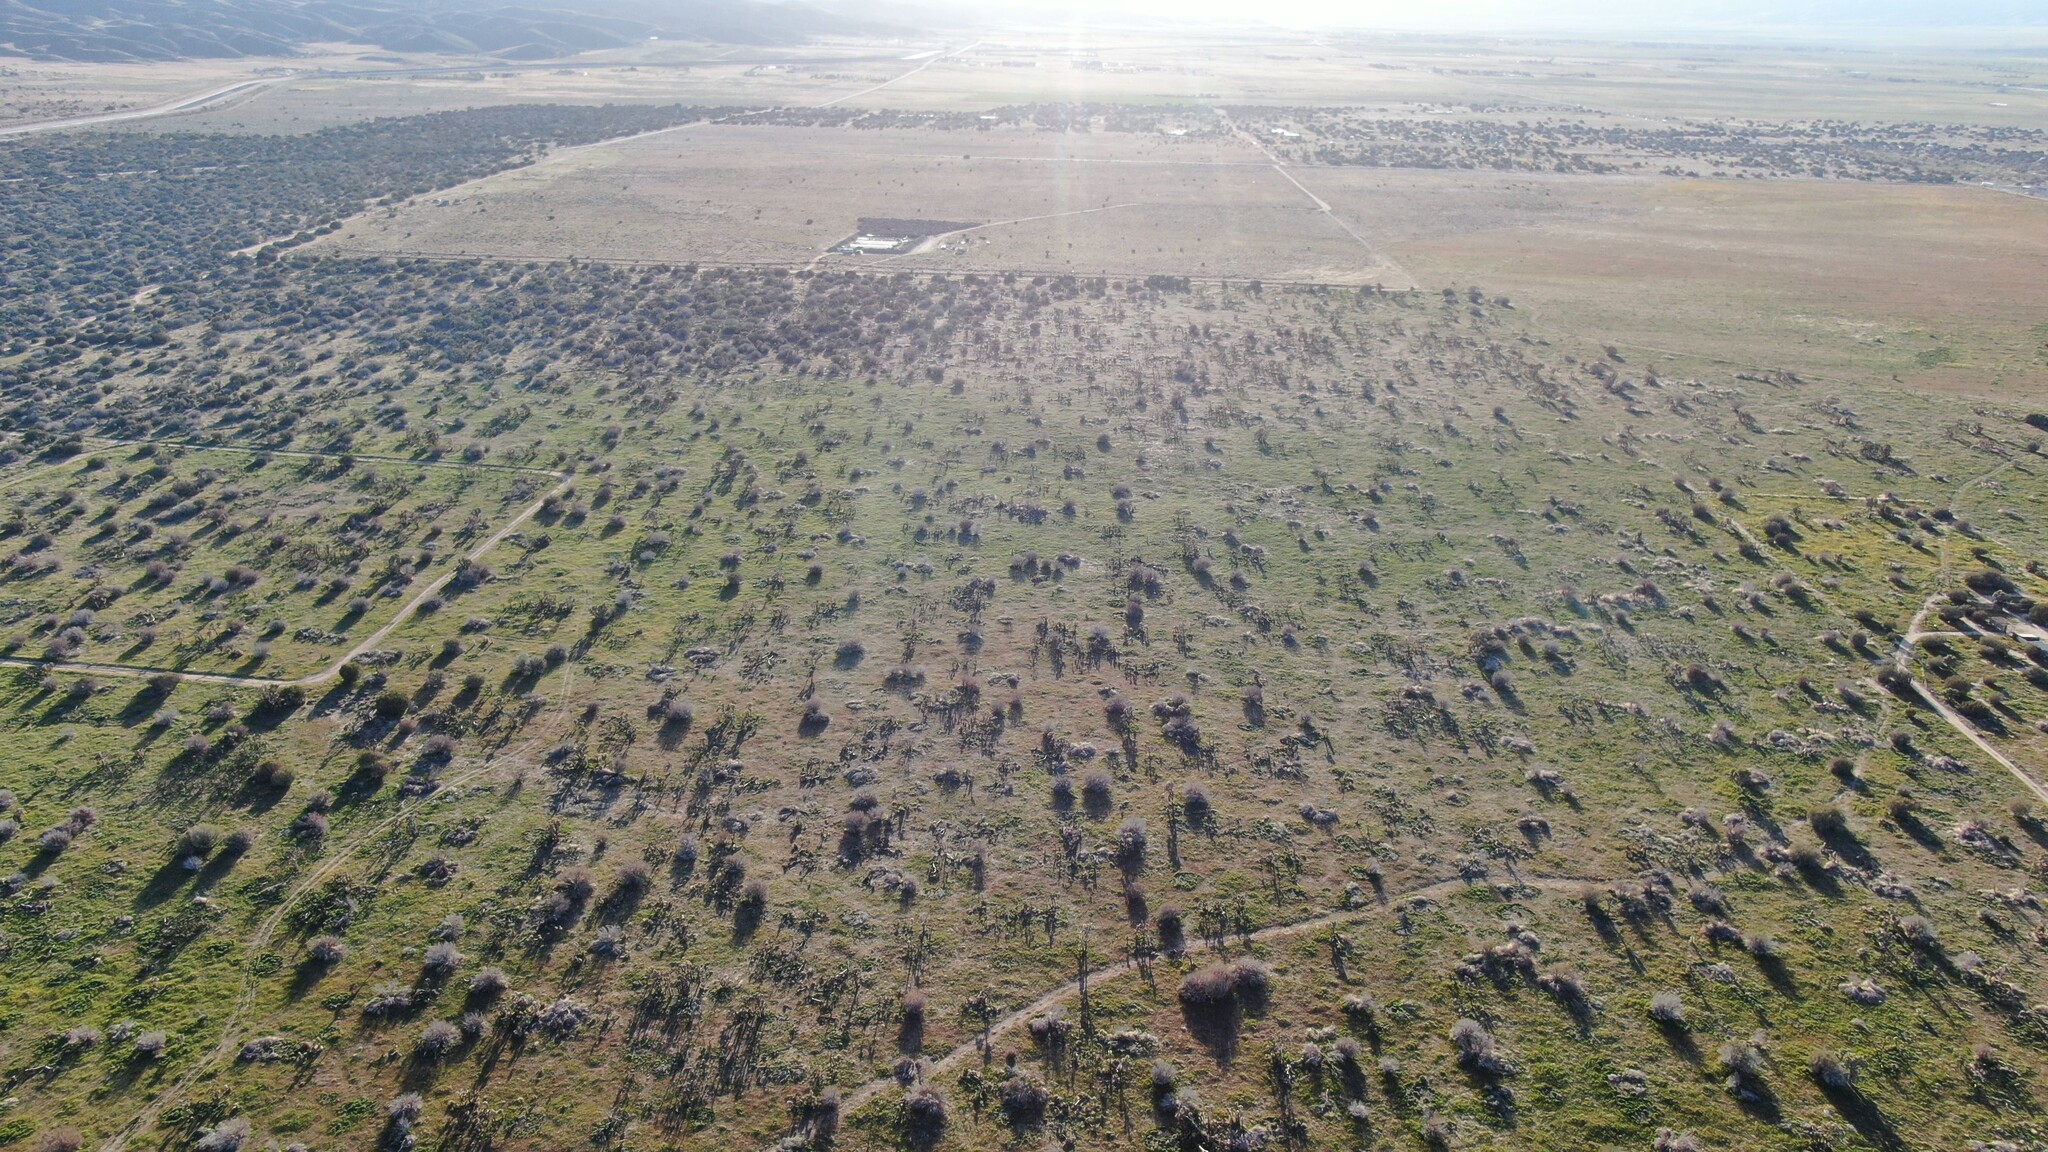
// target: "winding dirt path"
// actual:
[[858, 1096], [1913, 636]]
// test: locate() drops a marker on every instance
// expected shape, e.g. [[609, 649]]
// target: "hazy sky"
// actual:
[[1570, 14]]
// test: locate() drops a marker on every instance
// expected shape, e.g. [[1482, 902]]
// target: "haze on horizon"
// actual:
[[1846, 17]]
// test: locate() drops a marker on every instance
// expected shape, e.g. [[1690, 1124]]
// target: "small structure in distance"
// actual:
[[880, 235]]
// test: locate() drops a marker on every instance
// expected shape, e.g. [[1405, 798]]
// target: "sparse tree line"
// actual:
[[99, 217], [1829, 149]]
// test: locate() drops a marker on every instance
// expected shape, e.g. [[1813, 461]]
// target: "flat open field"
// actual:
[[1942, 286], [1938, 285], [1641, 81], [1638, 81], [33, 90], [336, 89], [318, 101], [1121, 204], [1638, 84]]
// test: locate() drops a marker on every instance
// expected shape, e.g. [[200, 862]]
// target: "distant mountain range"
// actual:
[[104, 30]]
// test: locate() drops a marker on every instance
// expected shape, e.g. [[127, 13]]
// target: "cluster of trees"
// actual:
[[871, 119], [663, 328], [98, 217], [1074, 116], [1833, 149]]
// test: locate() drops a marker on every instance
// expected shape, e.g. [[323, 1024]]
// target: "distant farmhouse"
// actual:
[[879, 235]]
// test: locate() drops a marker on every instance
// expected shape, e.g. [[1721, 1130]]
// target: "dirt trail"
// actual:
[[952, 1059], [137, 672], [1373, 250], [245, 997], [1912, 636], [928, 62]]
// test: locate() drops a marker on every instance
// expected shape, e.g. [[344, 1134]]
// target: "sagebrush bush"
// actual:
[[1476, 1047], [1831, 1071], [441, 961], [488, 982], [824, 1116], [924, 1112], [1919, 931], [1240, 982], [438, 1038], [198, 840], [1828, 821], [1742, 1062], [1022, 1100], [1130, 843], [1206, 987]]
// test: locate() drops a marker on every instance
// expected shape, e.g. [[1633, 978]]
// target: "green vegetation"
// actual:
[[925, 710]]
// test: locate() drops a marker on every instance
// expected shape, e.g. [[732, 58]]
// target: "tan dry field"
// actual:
[[1663, 82], [1636, 83], [329, 88], [32, 91], [1123, 204], [315, 102], [1942, 286], [1280, 70], [1538, 77]]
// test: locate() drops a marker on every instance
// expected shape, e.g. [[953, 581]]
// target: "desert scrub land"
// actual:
[[908, 708], [212, 561]]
